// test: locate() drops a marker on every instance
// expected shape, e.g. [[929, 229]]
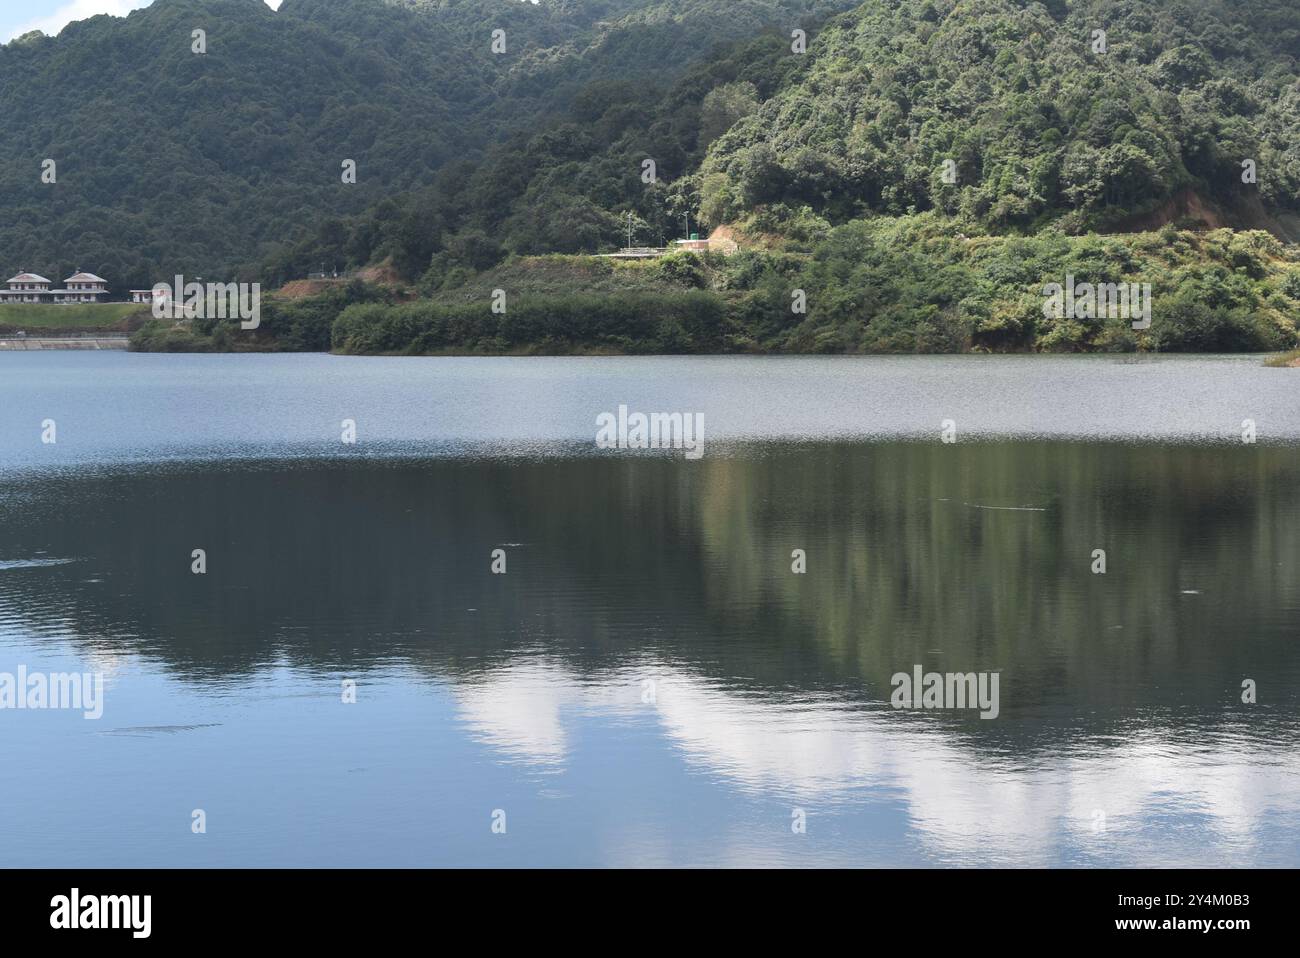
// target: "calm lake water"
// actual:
[[649, 683]]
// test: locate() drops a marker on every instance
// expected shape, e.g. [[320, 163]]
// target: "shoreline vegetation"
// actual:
[[1285, 360], [914, 284]]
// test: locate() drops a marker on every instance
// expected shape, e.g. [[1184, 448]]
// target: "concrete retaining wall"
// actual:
[[13, 343]]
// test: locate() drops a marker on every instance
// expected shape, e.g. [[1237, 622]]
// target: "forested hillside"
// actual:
[[912, 177], [1004, 98], [1087, 112], [167, 160], [567, 186]]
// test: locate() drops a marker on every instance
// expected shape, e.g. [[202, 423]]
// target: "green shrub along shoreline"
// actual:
[[910, 284], [683, 322], [299, 325]]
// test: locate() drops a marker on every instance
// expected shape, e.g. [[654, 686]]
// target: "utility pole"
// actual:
[[629, 229]]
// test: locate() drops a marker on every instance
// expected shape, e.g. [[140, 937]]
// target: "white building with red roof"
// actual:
[[32, 288], [82, 288], [26, 288]]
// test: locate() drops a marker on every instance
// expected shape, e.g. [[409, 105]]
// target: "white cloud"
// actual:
[[963, 803], [52, 23]]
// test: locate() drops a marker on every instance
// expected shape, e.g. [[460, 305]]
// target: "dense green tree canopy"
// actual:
[[167, 160], [1086, 112]]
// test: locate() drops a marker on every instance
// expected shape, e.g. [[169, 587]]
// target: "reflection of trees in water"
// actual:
[[340, 566], [911, 564]]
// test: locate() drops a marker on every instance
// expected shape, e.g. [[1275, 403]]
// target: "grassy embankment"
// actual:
[[38, 318]]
